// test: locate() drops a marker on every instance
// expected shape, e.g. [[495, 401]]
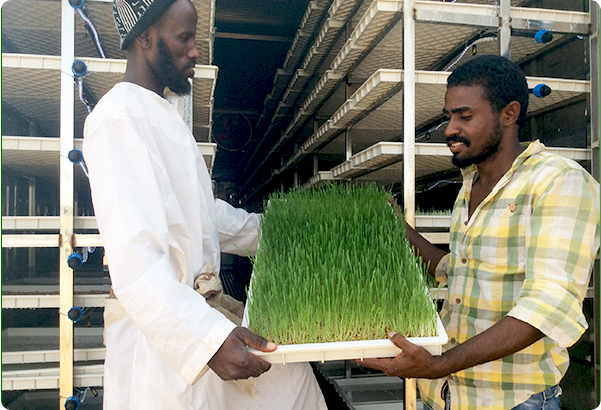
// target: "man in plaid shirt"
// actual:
[[524, 236]]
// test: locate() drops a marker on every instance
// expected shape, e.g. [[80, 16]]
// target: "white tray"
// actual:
[[321, 352]]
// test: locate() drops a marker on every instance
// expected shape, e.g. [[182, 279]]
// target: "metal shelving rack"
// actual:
[[362, 81], [374, 112], [379, 90], [44, 38]]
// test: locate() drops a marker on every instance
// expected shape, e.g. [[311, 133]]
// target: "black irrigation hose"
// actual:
[[92, 30]]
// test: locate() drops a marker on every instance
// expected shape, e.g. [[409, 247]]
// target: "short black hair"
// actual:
[[503, 82]]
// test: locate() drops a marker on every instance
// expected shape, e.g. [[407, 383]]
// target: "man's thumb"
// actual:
[[257, 342], [398, 340]]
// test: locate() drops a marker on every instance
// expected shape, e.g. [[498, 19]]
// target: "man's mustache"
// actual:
[[458, 138]]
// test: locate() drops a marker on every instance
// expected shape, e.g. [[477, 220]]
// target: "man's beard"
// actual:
[[168, 73], [491, 148]]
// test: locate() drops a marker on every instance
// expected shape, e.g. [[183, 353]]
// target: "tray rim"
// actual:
[[347, 350]]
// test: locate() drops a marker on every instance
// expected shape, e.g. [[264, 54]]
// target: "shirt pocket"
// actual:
[[503, 235]]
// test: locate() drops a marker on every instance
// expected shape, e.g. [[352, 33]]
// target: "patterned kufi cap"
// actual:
[[133, 17]]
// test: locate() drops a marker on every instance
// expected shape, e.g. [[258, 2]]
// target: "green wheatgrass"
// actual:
[[334, 264]]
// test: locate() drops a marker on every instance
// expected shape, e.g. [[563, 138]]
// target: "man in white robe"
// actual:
[[153, 200]]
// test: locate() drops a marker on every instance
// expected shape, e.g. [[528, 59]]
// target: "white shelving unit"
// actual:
[[363, 81], [39, 89], [380, 89], [374, 49]]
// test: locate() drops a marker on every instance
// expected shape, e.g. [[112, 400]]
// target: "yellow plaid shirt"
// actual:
[[527, 252]]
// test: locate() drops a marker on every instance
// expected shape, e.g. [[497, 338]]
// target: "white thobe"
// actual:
[[158, 220]]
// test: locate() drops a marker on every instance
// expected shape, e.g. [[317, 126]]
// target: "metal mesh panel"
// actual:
[[35, 94], [34, 27], [333, 103], [387, 54], [341, 9]]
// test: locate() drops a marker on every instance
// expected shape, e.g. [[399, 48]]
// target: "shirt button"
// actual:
[[463, 260], [465, 223], [458, 301], [453, 340]]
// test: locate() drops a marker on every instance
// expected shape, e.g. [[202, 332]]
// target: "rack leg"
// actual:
[[410, 388]]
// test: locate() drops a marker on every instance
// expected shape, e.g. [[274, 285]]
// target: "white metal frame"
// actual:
[[66, 201], [414, 11]]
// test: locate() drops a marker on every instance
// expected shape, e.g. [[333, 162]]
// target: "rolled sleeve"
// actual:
[[238, 229]]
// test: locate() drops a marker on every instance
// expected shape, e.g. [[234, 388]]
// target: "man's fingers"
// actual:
[[233, 361], [377, 364], [256, 366], [256, 341]]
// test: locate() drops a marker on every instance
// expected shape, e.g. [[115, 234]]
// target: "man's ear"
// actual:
[[144, 40], [510, 113]]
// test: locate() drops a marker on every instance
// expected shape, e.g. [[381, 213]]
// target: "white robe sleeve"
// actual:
[[131, 193], [238, 229]]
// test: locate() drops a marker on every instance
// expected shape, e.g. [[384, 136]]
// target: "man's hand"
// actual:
[[413, 362], [504, 338], [233, 361]]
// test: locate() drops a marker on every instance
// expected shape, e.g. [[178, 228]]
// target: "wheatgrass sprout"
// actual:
[[334, 264]]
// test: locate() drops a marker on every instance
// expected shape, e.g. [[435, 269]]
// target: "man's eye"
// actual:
[[465, 117]]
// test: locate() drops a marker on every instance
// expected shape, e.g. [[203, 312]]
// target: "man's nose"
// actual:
[[451, 128], [194, 53]]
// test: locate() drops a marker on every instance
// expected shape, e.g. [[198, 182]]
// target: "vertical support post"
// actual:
[[409, 146], [595, 131], [505, 29], [281, 177], [295, 176], [348, 375], [409, 111], [66, 201], [315, 164], [15, 198], [31, 199], [348, 144], [6, 204], [595, 78], [32, 212]]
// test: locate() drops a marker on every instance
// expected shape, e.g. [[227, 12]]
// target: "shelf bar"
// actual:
[[52, 144], [84, 376], [456, 13], [41, 223], [50, 301], [51, 356], [318, 179], [522, 18], [30, 241], [97, 65], [437, 237], [382, 152], [47, 241]]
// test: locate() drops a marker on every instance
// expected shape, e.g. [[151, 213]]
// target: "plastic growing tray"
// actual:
[[321, 352]]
